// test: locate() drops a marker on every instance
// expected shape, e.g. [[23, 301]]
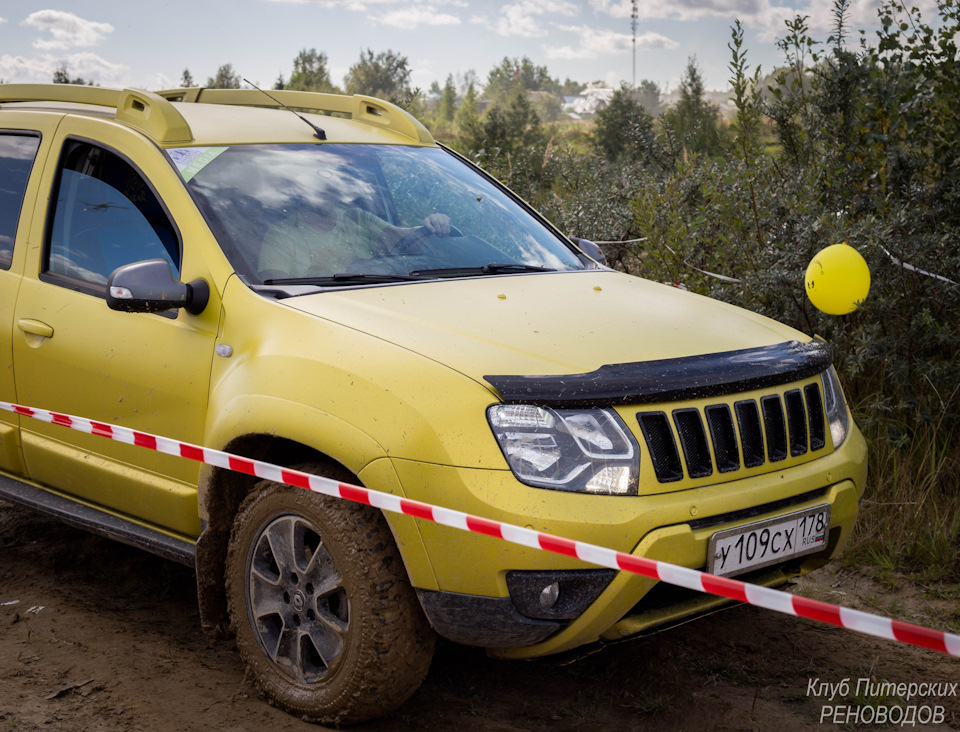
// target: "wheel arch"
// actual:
[[221, 491]]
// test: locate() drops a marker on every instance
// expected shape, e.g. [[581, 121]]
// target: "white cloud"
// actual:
[[362, 6], [522, 18], [66, 30], [655, 42], [40, 68], [615, 8], [594, 43], [862, 14], [413, 17], [26, 69], [764, 16], [405, 15], [95, 68], [688, 9]]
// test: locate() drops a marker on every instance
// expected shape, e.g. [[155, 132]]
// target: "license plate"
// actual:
[[768, 542]]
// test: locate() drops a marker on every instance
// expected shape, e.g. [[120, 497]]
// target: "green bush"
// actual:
[[848, 142], [868, 147]]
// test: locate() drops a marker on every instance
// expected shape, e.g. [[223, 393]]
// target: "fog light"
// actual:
[[556, 594], [549, 595]]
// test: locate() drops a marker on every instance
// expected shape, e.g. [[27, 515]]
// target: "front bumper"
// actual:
[[471, 570]]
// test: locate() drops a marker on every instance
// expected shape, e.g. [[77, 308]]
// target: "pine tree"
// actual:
[[468, 114], [693, 121], [448, 102], [226, 78]]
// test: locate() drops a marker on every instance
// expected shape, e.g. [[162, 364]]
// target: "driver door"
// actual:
[[73, 354]]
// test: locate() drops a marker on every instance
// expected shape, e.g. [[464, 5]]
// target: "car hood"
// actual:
[[545, 324]]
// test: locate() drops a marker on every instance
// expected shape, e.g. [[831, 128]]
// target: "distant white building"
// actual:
[[591, 100]]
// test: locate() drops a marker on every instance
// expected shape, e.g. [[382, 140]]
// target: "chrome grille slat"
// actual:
[[694, 443]]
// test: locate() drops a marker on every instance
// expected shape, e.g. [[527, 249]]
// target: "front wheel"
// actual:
[[323, 614]]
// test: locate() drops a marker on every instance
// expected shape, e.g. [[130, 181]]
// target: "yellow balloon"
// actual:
[[837, 279]]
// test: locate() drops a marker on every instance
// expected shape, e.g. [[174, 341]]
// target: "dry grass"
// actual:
[[910, 516]]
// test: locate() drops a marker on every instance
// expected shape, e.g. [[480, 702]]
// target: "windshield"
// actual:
[[340, 214]]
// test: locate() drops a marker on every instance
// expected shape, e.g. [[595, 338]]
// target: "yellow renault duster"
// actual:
[[313, 281]]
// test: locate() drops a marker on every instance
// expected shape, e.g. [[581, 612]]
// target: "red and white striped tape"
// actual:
[[764, 597]]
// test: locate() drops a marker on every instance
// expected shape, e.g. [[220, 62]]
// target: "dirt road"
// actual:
[[95, 635]]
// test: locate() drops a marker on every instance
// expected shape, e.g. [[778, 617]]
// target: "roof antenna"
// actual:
[[317, 132]]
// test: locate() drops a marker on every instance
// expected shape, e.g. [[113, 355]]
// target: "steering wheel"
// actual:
[[416, 236]]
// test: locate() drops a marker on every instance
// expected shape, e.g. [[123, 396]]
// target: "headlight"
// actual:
[[583, 450], [836, 407]]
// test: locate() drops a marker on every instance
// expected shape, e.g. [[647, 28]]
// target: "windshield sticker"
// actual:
[[191, 160]]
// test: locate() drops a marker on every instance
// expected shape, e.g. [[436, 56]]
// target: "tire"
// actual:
[[324, 616]]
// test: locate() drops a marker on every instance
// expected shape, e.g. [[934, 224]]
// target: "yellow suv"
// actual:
[[313, 281]]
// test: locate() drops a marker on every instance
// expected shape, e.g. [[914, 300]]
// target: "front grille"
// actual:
[[751, 435]]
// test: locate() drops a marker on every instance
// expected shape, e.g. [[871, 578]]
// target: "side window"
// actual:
[[105, 216], [17, 153]]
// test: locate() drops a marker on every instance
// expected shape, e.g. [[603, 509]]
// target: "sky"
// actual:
[[127, 44]]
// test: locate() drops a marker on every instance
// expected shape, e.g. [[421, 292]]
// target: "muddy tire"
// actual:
[[319, 601]]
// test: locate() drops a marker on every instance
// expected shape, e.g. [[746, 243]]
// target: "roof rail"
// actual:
[[154, 114], [360, 108], [143, 110]]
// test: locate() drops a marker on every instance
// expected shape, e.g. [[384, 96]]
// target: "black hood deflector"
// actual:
[[671, 379]]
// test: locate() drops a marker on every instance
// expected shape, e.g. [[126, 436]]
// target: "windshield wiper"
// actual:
[[368, 278], [343, 278], [488, 269]]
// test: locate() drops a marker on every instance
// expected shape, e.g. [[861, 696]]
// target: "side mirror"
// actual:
[[590, 249], [149, 287]]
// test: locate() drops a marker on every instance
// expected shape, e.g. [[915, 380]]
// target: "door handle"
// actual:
[[35, 327]]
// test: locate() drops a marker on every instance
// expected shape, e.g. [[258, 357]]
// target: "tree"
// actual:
[[465, 80], [62, 76], [226, 78], [623, 128], [547, 105], [186, 79], [310, 73], [448, 102], [647, 95], [511, 123], [468, 114], [513, 72], [385, 75], [693, 121], [571, 88]]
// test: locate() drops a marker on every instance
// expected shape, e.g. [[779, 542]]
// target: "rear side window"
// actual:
[[17, 153], [106, 215]]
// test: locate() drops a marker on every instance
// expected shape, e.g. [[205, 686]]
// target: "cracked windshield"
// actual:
[[339, 214]]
